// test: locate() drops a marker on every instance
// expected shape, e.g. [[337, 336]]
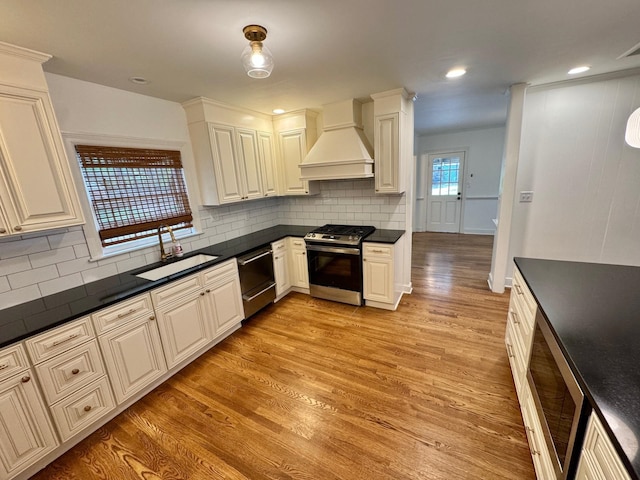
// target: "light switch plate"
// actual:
[[526, 197]]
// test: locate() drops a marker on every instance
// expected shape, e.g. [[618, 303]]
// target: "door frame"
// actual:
[[423, 192]]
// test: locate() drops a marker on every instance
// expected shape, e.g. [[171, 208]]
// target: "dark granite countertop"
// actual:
[[24, 320], [385, 236], [594, 311], [32, 317]]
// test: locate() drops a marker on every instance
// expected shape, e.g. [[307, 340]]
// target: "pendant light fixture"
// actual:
[[256, 58], [632, 134]]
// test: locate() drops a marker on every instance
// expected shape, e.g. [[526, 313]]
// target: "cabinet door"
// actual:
[[299, 268], [225, 303], [387, 152], [26, 434], [133, 356], [226, 167], [251, 175], [184, 328], [293, 148], [378, 279], [268, 163], [281, 271], [37, 191]]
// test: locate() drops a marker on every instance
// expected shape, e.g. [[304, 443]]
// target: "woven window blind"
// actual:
[[133, 191]]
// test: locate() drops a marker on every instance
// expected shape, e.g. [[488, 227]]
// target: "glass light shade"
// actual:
[[257, 60], [632, 135]]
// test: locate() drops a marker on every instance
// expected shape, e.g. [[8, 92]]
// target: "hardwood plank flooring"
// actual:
[[311, 389]]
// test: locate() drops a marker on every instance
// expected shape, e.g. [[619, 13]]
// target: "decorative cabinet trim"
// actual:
[[60, 339]]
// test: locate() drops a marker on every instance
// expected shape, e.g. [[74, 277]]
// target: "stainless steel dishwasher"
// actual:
[[257, 281]]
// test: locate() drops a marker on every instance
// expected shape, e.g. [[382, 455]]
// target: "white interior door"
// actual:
[[444, 193]]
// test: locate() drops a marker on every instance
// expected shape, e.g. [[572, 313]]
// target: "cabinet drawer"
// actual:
[[523, 293], [82, 408], [60, 339], [279, 247], [216, 273], [378, 250], [122, 312], [13, 360], [295, 242], [176, 290], [71, 370]]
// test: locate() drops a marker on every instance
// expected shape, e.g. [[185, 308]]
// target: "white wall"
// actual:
[[483, 149], [585, 178], [40, 264]]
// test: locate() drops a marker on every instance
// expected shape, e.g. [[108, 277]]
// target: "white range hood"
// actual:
[[342, 151]]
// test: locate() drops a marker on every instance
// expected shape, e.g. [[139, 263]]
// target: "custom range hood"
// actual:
[[342, 151]]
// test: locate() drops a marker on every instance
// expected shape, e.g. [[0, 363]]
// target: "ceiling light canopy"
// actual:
[[256, 58], [456, 72], [580, 69]]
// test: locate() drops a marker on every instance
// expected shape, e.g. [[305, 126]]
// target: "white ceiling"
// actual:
[[330, 50]]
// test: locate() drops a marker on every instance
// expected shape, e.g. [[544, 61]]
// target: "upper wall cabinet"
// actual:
[[393, 140], [36, 187], [297, 132], [233, 150]]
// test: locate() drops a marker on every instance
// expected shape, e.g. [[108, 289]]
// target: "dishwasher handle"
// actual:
[[252, 297], [244, 261]]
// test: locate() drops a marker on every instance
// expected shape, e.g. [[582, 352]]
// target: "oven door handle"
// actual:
[[248, 299], [347, 251], [242, 262]]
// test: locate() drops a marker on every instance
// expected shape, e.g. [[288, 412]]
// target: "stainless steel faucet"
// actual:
[[164, 256]]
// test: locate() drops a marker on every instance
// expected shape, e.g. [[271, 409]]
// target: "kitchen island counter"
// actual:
[[594, 312]]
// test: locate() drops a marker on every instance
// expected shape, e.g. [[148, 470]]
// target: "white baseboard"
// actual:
[[479, 231]]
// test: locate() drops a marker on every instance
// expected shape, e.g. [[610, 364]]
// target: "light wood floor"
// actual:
[[311, 389]]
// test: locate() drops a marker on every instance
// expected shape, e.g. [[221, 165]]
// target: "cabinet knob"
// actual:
[[208, 290], [87, 408], [25, 379], [364, 259], [152, 317], [75, 371], [304, 253], [201, 293], [3, 230], [17, 228]]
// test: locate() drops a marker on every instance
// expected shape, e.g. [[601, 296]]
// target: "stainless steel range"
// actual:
[[334, 257]]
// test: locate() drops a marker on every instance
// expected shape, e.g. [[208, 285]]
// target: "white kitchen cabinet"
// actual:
[[195, 310], [380, 274], [281, 267], [184, 327], [599, 459], [133, 356], [235, 163], [225, 302], [393, 140], [268, 163], [298, 262], [297, 132], [537, 444], [36, 187], [519, 331], [26, 434]]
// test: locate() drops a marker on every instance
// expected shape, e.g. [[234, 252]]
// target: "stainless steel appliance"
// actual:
[[257, 281], [558, 398], [334, 257]]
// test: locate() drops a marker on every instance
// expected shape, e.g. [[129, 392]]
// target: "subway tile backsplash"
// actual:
[[40, 264]]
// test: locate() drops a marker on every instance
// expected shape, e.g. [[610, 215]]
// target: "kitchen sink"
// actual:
[[176, 267]]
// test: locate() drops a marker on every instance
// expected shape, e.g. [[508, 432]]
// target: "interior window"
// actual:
[[132, 191]]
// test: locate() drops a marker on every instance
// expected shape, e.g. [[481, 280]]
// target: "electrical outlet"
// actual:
[[526, 197]]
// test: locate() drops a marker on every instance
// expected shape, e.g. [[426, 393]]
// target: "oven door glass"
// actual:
[[553, 395], [335, 267]]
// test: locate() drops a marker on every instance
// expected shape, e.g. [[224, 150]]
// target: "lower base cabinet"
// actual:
[[598, 459], [380, 274], [225, 302], [133, 356], [26, 434]]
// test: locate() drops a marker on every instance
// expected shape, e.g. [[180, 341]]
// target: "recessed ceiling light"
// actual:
[[278, 111], [456, 72], [138, 80], [576, 70]]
